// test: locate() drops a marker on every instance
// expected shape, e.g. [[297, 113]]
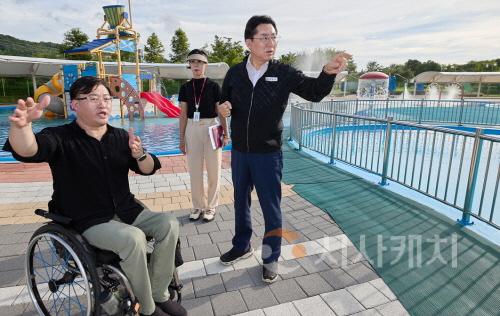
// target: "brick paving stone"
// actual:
[[337, 278], [342, 302], [235, 280], [282, 309], [360, 272], [221, 236], [313, 284], [368, 312], [382, 287], [287, 290], [313, 306], [207, 228], [290, 269], [258, 297], [313, 264], [208, 285], [392, 309], [199, 306], [228, 303], [206, 251], [368, 295], [197, 240], [187, 254]]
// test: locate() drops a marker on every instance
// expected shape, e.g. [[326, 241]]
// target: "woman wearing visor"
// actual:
[[199, 98]]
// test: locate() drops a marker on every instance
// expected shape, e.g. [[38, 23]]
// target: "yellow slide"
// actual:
[[54, 88]]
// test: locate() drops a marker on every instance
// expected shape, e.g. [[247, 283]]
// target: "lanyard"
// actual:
[[198, 100]]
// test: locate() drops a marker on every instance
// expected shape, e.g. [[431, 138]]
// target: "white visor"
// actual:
[[201, 57]]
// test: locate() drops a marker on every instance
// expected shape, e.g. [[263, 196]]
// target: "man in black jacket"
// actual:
[[255, 95]]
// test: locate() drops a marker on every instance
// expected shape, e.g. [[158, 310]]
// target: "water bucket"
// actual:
[[113, 14]]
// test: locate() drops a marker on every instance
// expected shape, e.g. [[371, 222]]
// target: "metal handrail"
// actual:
[[460, 112], [414, 155]]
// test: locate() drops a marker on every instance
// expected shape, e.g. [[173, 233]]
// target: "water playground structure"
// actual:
[[115, 36]]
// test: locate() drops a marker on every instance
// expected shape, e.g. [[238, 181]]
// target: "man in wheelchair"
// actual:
[[90, 161]]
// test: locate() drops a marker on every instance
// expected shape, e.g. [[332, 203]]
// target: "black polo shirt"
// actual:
[[90, 177], [209, 97]]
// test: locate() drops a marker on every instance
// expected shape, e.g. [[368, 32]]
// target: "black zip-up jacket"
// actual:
[[257, 112]]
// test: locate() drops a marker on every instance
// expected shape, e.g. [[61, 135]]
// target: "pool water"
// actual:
[[160, 135]]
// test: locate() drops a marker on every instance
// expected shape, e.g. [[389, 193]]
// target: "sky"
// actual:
[[390, 31]]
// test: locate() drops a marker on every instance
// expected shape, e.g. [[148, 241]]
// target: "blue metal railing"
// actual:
[[460, 112], [456, 167]]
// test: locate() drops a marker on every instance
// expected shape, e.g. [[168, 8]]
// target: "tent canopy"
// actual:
[[461, 77], [16, 66], [106, 45]]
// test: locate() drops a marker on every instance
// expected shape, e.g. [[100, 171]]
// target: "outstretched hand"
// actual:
[[135, 144], [28, 111], [337, 64]]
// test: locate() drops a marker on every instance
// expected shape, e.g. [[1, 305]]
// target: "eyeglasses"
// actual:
[[95, 98], [266, 38]]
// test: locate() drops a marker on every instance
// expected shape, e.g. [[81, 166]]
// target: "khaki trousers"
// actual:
[[149, 283], [199, 150]]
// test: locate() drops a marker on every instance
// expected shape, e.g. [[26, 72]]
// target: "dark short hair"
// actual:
[[86, 84], [256, 20], [198, 51]]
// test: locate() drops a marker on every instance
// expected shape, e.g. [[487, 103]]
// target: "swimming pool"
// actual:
[[160, 135]]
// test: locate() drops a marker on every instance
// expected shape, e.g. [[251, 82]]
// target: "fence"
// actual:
[[458, 112], [458, 168]]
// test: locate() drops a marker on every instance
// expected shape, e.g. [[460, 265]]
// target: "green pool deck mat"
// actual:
[[458, 275]]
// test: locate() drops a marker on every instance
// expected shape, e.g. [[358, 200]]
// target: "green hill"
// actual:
[[16, 47]]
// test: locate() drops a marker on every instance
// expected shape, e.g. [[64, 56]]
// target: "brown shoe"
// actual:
[[172, 308]]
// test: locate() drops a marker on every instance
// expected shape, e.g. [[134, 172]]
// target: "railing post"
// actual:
[[356, 109], [462, 103], [386, 107], [301, 125], [421, 112], [387, 151], [472, 179], [292, 123], [334, 138]]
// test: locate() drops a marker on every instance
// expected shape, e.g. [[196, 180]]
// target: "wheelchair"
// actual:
[[68, 276]]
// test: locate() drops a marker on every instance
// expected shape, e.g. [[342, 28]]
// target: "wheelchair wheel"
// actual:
[[61, 277]]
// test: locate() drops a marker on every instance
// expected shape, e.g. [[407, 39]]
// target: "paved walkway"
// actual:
[[322, 273]]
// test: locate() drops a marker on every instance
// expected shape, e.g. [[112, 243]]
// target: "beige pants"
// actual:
[[199, 150], [149, 283]]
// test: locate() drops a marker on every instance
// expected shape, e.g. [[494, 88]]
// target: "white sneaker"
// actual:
[[208, 215], [195, 214]]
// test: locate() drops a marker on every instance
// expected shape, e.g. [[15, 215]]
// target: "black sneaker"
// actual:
[[268, 275], [233, 255]]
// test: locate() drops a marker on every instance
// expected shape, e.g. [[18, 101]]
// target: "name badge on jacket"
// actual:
[[273, 79]]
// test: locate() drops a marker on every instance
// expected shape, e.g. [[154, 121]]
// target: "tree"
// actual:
[[351, 66], [289, 58], [429, 66], [413, 66], [179, 46], [72, 39], [225, 50], [154, 50], [373, 66]]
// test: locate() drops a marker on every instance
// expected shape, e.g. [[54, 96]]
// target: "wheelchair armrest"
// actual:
[[54, 217]]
